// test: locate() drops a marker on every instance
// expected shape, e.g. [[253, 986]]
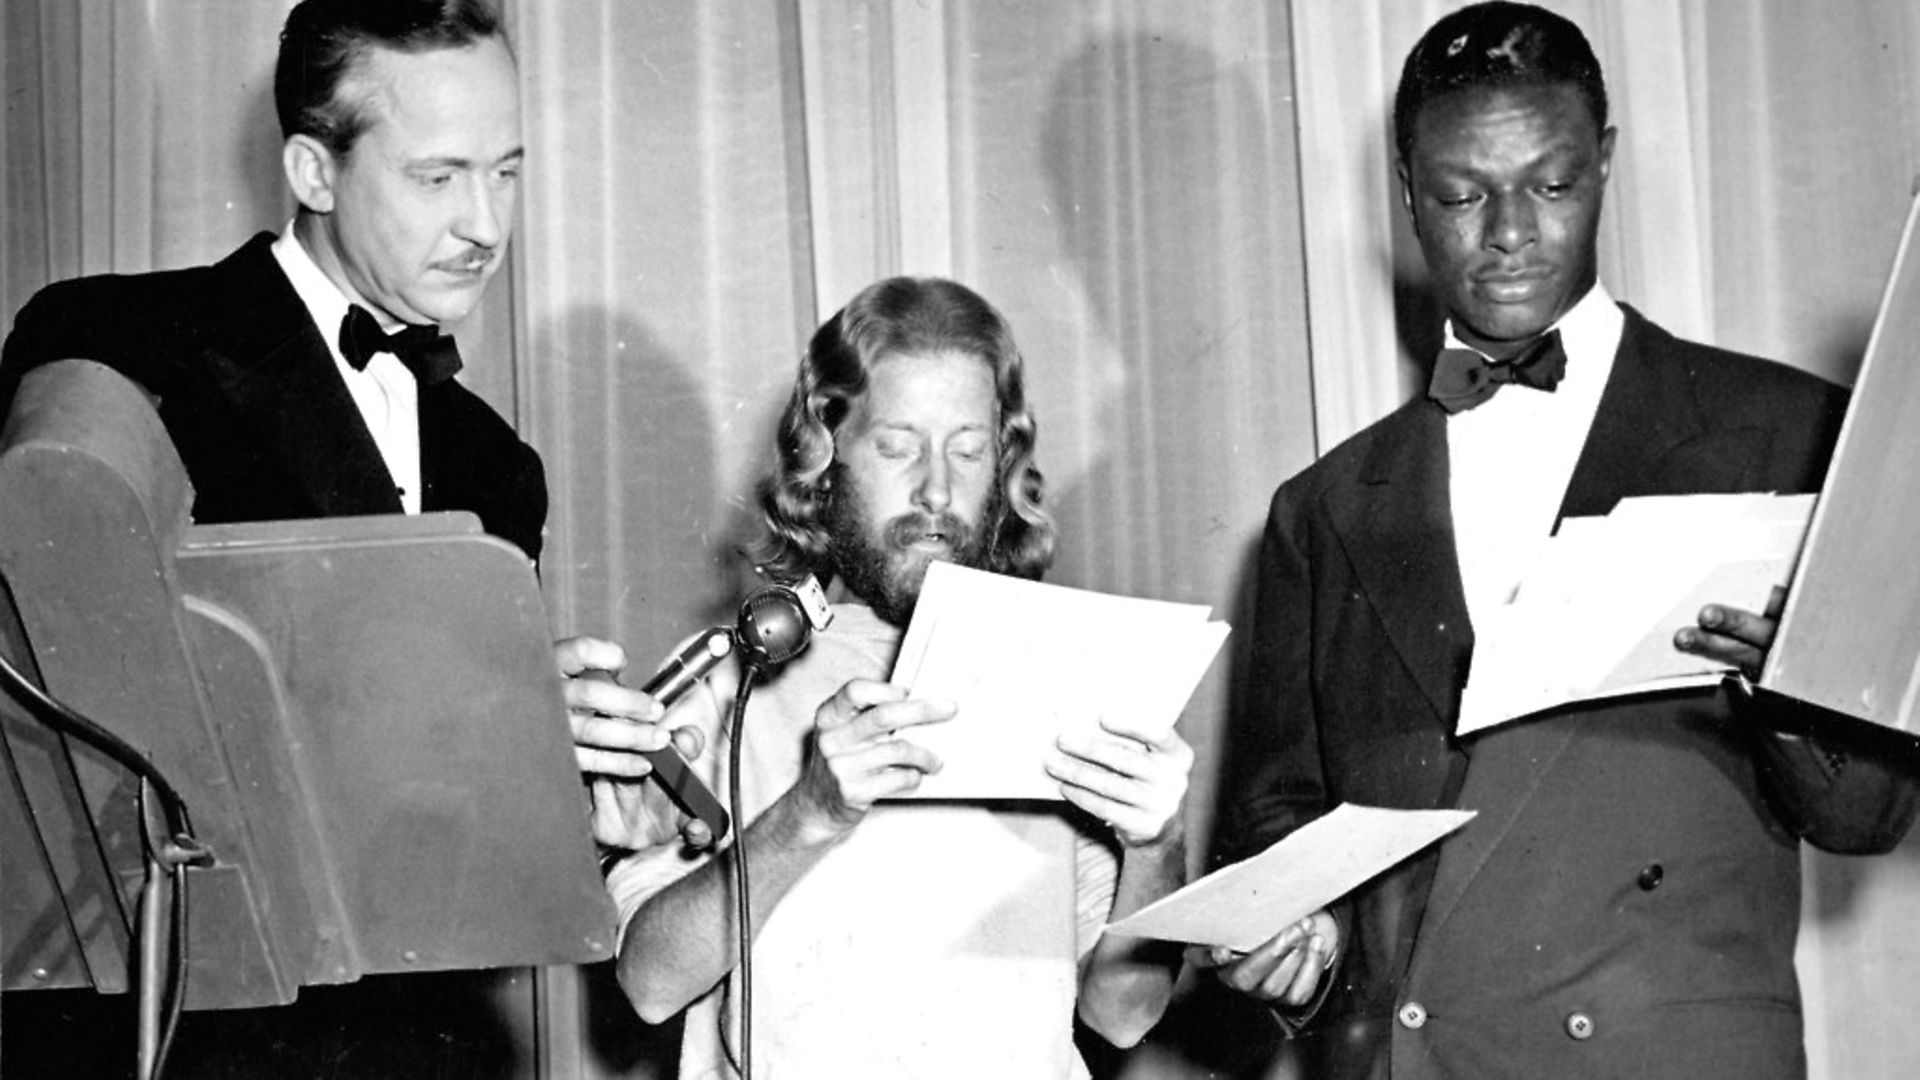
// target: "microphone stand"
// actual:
[[162, 987], [775, 624]]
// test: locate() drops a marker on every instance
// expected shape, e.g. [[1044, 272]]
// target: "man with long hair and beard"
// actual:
[[907, 938]]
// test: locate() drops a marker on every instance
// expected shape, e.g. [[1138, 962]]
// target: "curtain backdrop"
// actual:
[[705, 184], [1125, 179]]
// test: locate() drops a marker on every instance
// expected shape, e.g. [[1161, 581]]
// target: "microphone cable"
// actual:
[[742, 904], [165, 858]]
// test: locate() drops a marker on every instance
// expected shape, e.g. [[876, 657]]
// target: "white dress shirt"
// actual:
[[1512, 456], [385, 391]]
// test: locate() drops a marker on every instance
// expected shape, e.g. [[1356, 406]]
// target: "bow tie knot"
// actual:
[[1463, 378], [428, 353]]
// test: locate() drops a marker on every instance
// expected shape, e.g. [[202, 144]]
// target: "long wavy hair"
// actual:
[[894, 317]]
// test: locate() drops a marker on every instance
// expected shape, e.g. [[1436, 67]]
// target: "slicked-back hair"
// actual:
[[323, 42], [901, 316], [1492, 45]]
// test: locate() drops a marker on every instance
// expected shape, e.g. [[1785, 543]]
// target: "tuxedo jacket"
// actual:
[[267, 430], [253, 401], [1627, 899]]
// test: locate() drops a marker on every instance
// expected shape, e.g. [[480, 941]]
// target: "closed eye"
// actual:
[[897, 448]]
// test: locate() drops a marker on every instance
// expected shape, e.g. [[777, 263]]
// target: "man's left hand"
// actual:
[[1740, 639], [634, 814], [1133, 781]]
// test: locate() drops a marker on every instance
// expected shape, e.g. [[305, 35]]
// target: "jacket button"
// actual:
[[1650, 877], [1580, 1025], [1413, 1015]]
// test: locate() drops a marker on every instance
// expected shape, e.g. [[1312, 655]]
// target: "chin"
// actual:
[[445, 314], [1504, 326]]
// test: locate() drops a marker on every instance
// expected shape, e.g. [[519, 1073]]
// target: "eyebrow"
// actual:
[[1559, 156], [908, 425], [449, 161]]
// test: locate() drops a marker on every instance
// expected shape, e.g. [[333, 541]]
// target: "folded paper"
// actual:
[[1245, 905]]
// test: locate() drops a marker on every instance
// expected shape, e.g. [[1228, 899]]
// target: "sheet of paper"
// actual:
[[1244, 905], [1027, 662], [1596, 614]]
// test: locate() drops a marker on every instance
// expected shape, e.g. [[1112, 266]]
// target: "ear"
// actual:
[[311, 170], [1606, 153], [1406, 191]]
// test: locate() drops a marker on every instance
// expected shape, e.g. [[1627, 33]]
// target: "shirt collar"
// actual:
[[1589, 332], [324, 300]]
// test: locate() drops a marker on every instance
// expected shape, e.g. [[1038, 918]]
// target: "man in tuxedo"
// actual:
[[1627, 899], [306, 375]]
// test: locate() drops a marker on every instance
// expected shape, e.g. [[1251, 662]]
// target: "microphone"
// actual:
[[774, 625], [777, 621], [679, 672]]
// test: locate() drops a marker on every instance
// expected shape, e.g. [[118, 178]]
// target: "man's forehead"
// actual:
[[1557, 113], [458, 102], [907, 389]]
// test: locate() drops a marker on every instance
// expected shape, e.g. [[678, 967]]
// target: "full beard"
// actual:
[[877, 561]]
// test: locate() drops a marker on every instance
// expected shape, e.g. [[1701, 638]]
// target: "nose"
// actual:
[[934, 493], [483, 219], [1512, 223]]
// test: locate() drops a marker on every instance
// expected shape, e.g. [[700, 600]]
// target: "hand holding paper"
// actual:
[[1597, 615], [1284, 971], [1133, 780], [1027, 663], [1245, 905]]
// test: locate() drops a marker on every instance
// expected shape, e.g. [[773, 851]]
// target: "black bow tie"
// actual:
[[1463, 378], [428, 353]]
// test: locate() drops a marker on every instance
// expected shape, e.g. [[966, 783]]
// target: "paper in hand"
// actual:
[[1244, 905], [1596, 615], [1026, 662]]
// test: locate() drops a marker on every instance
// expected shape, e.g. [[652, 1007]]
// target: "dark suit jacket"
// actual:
[[256, 407], [267, 430], [1627, 900]]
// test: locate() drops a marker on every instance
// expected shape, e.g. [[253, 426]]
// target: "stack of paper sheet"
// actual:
[[1244, 905], [1026, 663], [1596, 615]]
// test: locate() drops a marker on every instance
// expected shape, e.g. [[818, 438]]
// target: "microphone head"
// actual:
[[777, 621]]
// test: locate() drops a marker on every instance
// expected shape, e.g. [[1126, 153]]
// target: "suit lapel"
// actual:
[[1647, 416], [1395, 521], [265, 354], [1649, 435]]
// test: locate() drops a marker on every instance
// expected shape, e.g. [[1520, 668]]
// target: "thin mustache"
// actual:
[[478, 256]]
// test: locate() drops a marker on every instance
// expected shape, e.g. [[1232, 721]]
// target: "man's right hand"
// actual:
[[612, 724], [1286, 971], [855, 759]]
